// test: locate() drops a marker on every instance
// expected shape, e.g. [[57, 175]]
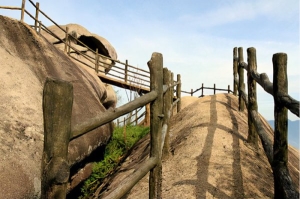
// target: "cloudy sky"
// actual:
[[195, 37]]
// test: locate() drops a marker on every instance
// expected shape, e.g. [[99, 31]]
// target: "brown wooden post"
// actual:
[[191, 92], [156, 84], [283, 186], [178, 93], [172, 89], [117, 122], [97, 61], [202, 90], [252, 98], [214, 89], [126, 71], [136, 117], [147, 115], [228, 88], [168, 99], [36, 16], [40, 27], [66, 39], [241, 78], [235, 71], [23, 10], [57, 112]]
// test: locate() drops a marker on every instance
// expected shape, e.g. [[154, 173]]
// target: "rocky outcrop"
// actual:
[[27, 59]]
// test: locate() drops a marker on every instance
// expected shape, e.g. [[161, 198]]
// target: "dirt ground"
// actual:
[[209, 155]]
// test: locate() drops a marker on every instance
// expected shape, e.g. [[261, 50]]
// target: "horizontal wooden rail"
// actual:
[[10, 8]]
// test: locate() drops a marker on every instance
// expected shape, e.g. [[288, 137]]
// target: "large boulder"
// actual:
[[27, 59]]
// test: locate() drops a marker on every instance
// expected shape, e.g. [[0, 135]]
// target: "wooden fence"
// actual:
[[276, 152], [209, 88], [58, 131]]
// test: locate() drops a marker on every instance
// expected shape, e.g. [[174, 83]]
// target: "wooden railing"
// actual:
[[209, 88], [277, 151], [57, 106]]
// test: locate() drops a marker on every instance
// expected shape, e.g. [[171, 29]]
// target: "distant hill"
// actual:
[[293, 132]]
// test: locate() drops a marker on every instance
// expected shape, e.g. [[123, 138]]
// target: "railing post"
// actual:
[[191, 92], [66, 39], [178, 93], [228, 88], [156, 84], [202, 90], [57, 112], [126, 71], [23, 10], [40, 27], [136, 117], [252, 98], [97, 61], [214, 89], [172, 90], [241, 79], [235, 71], [36, 16], [283, 186], [168, 98]]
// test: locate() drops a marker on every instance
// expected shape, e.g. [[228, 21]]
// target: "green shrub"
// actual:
[[120, 143]]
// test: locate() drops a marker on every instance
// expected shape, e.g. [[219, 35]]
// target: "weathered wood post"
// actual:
[[178, 93], [23, 10], [172, 90], [241, 78], [66, 39], [283, 186], [37, 5], [202, 90], [168, 99], [156, 84], [40, 27], [252, 98], [214, 89], [136, 117], [235, 71], [191, 92], [97, 61], [147, 115], [228, 88], [126, 71], [57, 112]]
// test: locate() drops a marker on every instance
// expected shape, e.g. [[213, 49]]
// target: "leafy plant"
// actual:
[[121, 142]]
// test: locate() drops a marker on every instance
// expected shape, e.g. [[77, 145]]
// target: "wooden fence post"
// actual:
[[97, 61], [57, 112], [214, 89], [228, 88], [156, 84], [283, 186], [191, 92], [36, 16], [168, 98], [241, 79], [172, 89], [66, 39], [126, 71], [252, 98], [178, 93], [147, 115], [23, 10], [202, 90], [235, 71]]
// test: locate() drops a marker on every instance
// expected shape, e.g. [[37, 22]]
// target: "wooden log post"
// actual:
[[147, 115], [178, 93], [235, 71], [23, 10], [283, 186], [228, 88], [57, 112], [126, 71], [36, 20], [168, 100], [191, 92], [172, 90], [66, 39], [252, 98], [241, 78], [136, 117], [156, 84], [202, 88], [40, 27], [214, 89], [97, 61]]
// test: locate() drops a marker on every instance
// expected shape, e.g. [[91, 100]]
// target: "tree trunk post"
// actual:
[[57, 111], [66, 39], [167, 107], [156, 84], [126, 71], [235, 71], [23, 10], [178, 93], [283, 186], [252, 98], [241, 78], [36, 16]]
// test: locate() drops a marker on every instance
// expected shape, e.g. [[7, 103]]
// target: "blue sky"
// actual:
[[195, 37]]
